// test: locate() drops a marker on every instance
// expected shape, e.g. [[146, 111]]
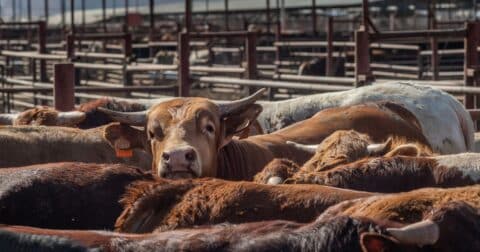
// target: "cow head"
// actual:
[[43, 116], [186, 134]]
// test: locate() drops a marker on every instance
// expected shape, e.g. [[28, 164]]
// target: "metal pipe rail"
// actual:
[[419, 34]]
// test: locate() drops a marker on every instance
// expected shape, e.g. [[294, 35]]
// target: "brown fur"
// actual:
[[185, 203], [241, 160], [408, 207], [282, 168], [65, 195]]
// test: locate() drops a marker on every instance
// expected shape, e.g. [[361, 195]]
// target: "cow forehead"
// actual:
[[183, 109]]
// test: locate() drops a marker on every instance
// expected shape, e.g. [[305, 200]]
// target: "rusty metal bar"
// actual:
[[330, 48], [229, 34], [64, 87], [471, 60], [362, 58], [188, 16], [29, 10], [152, 25], [42, 48], [251, 57], [184, 68], [365, 15], [439, 33], [95, 36]]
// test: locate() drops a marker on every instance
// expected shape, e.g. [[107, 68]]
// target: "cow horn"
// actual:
[[420, 233], [8, 119], [70, 118], [275, 180], [307, 148], [130, 118], [379, 149], [227, 108]]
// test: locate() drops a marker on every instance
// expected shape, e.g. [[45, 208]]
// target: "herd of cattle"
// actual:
[[388, 167]]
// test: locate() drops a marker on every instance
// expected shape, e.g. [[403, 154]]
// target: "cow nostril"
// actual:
[[166, 156], [190, 156]]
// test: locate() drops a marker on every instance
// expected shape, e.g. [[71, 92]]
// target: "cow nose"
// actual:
[[182, 156]]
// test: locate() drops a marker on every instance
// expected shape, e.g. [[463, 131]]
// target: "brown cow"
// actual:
[[65, 195], [437, 232], [85, 117], [168, 205], [408, 207], [192, 137], [28, 145]]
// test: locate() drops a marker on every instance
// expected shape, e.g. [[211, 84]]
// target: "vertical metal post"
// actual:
[[125, 27], [314, 17], [29, 10], [64, 90], [226, 16], [104, 15], [269, 17], [70, 47], [283, 15], [42, 48], [83, 17], [330, 36], [365, 15], [471, 61], [362, 58], [14, 10], [45, 4], [127, 50], [62, 12], [432, 24], [184, 67], [72, 16], [188, 16], [251, 58]]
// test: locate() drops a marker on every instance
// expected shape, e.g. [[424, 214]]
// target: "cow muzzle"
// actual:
[[180, 163]]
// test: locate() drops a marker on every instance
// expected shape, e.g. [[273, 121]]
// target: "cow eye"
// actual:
[[209, 128], [151, 135]]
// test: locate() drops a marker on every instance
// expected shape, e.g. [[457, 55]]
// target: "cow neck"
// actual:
[[241, 160]]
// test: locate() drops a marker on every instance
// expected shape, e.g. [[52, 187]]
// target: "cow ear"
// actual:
[[124, 138], [236, 123], [372, 242]]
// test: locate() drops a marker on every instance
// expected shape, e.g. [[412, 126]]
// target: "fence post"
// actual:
[[184, 64], [329, 61], [42, 48], [251, 58], [63, 90], [471, 61], [127, 52], [362, 58]]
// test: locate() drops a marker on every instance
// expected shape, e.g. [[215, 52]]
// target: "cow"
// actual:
[[171, 204], [407, 207], [85, 116], [340, 148], [192, 137], [444, 121], [437, 232], [28, 145], [65, 195]]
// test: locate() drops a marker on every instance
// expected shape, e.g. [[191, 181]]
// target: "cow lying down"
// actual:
[[65, 195], [436, 232], [28, 145]]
